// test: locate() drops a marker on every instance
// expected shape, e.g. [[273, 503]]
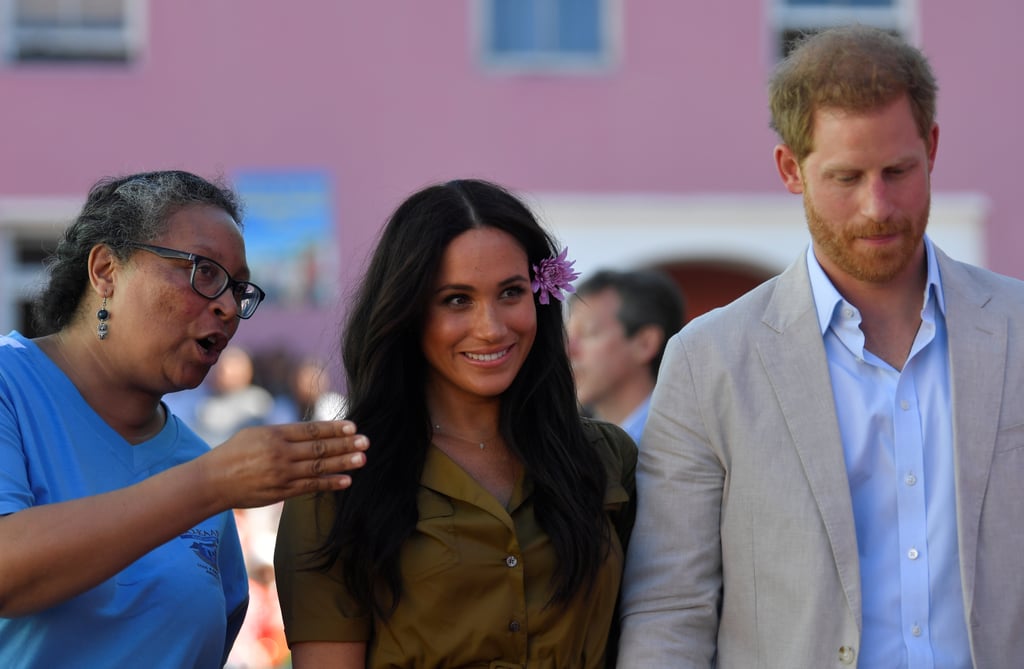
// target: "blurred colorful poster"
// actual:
[[290, 238]]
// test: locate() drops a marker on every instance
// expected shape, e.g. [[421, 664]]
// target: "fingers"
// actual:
[[290, 459], [321, 439], [324, 449], [321, 429], [332, 465]]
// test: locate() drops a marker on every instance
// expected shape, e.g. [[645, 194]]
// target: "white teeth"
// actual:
[[488, 357]]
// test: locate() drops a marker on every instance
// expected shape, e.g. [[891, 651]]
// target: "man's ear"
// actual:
[[645, 343], [789, 169], [103, 267], [933, 146]]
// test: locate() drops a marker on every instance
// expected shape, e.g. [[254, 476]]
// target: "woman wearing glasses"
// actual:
[[488, 527], [117, 543]]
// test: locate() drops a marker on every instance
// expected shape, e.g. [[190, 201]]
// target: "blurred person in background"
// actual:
[[619, 323], [117, 543], [489, 527], [302, 393], [312, 393], [233, 400], [261, 643]]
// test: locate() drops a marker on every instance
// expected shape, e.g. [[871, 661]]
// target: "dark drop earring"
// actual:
[[102, 315]]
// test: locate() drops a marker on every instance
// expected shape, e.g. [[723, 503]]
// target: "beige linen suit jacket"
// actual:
[[744, 551]]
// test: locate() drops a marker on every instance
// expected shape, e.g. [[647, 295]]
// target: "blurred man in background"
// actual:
[[618, 325]]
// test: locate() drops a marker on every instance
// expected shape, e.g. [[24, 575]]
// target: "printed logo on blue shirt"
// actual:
[[205, 544]]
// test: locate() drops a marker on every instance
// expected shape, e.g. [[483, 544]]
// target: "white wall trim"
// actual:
[[27, 217], [763, 232]]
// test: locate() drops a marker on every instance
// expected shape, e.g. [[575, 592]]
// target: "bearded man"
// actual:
[[832, 466]]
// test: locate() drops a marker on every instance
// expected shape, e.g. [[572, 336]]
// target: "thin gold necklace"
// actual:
[[475, 442]]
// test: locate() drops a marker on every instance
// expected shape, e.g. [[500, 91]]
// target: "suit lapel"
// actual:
[[977, 354], [793, 354]]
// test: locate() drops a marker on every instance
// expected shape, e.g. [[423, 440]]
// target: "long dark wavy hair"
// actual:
[[387, 374]]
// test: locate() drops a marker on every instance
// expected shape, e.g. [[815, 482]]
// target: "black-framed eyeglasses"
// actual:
[[210, 279]]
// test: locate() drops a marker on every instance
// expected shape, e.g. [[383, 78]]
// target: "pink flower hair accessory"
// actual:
[[552, 276]]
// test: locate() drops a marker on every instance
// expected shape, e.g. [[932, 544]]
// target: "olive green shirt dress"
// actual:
[[476, 576]]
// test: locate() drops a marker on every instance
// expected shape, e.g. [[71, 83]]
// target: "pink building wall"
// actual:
[[387, 96]]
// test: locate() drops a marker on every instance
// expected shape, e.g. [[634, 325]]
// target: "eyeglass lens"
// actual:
[[210, 279]]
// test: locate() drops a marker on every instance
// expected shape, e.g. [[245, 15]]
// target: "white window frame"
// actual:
[[24, 218], [74, 42], [550, 62], [901, 17], [759, 231]]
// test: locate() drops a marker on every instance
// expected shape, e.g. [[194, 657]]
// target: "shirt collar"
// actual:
[[638, 414], [827, 299]]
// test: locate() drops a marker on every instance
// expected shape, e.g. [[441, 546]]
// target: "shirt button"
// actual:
[[912, 554], [847, 654], [910, 478], [511, 561], [848, 312], [904, 405], [513, 626], [916, 630]]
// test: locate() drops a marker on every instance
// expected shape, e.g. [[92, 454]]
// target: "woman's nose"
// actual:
[[490, 324]]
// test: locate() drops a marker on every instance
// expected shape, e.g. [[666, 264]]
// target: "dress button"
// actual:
[[912, 554], [847, 654], [513, 626], [910, 479], [511, 561], [916, 630]]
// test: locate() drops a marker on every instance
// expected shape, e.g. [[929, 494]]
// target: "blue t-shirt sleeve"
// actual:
[[235, 581], [15, 491]]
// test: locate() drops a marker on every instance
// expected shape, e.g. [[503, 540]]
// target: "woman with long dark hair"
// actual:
[[490, 522]]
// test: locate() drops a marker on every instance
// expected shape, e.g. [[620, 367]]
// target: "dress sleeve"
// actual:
[[315, 604], [619, 454]]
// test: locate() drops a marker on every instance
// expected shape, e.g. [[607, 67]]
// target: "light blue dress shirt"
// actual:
[[634, 423], [897, 434]]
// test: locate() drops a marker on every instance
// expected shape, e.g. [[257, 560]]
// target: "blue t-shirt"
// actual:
[[170, 608]]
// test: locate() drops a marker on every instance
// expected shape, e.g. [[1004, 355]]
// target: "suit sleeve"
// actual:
[[673, 577]]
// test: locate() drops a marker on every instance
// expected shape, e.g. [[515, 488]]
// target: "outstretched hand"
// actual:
[[268, 463]]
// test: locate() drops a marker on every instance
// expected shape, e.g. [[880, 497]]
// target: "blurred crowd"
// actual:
[[258, 388]]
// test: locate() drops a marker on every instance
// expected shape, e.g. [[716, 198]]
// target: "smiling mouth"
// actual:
[[487, 357]]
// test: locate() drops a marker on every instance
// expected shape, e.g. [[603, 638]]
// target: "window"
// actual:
[[22, 275], [33, 250], [72, 30], [793, 18], [30, 229], [546, 35]]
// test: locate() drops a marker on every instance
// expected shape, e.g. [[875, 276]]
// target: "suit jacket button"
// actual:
[[847, 654]]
